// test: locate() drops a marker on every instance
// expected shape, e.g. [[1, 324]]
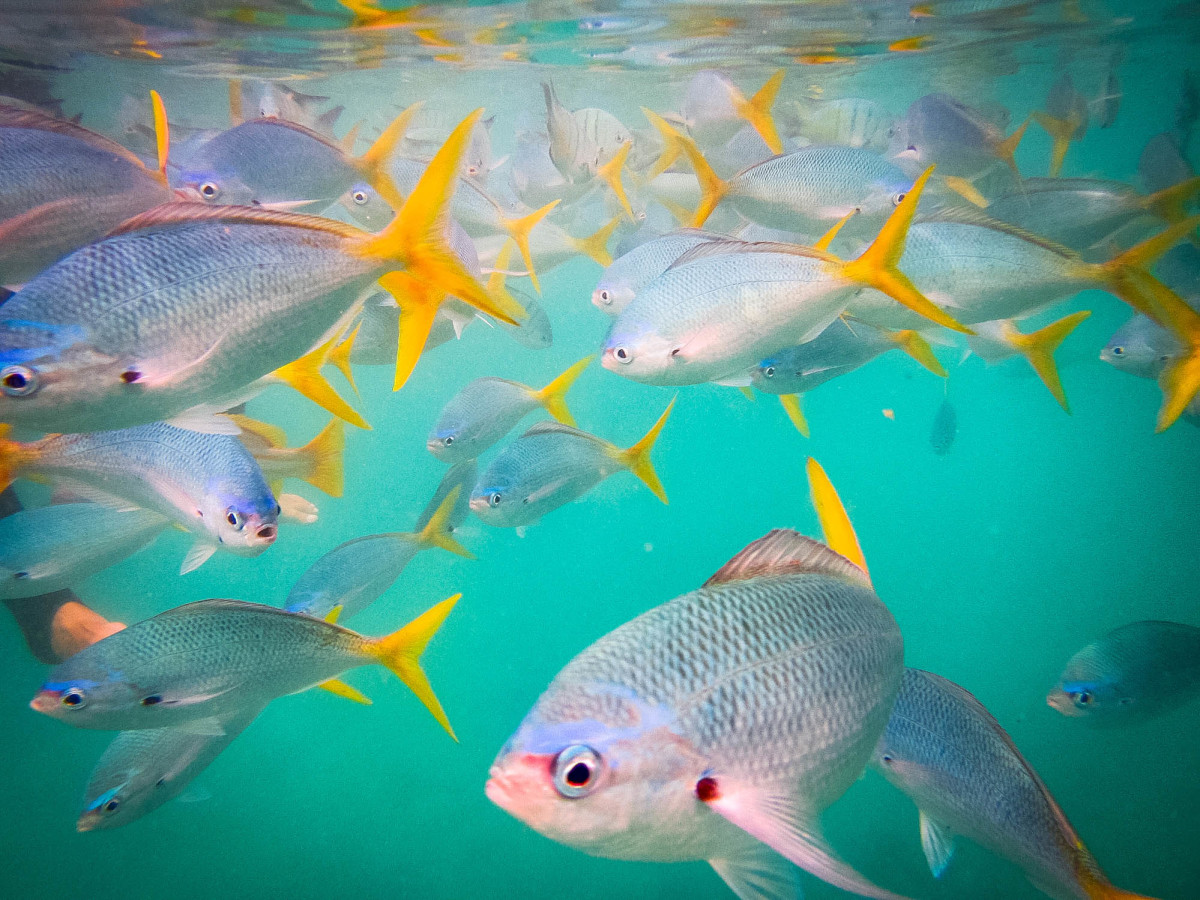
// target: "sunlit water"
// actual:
[[1034, 534]]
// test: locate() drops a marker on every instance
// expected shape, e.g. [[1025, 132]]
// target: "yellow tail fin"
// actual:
[[966, 190], [373, 164], [324, 456], [1180, 381], [11, 457], [1062, 132], [272, 435], [1038, 347], [672, 147], [835, 523], [162, 134], [918, 348], [791, 406], [304, 374], [519, 229], [340, 355], [401, 652], [1128, 274], [339, 688], [1007, 148], [827, 238], [596, 245], [437, 533], [637, 457], [757, 111], [350, 138], [878, 266], [554, 395], [1170, 204], [236, 114], [712, 188], [610, 172], [415, 241]]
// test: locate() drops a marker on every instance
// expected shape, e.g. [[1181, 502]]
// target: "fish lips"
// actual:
[[521, 785]]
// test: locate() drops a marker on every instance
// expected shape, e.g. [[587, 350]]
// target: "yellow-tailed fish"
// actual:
[[319, 462], [996, 341], [1065, 119], [553, 464], [962, 142], [629, 273], [212, 299], [714, 109], [195, 665]]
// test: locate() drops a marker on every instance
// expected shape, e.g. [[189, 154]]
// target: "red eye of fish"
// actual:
[[707, 789]]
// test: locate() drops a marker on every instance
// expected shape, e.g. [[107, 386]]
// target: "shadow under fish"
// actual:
[[945, 428]]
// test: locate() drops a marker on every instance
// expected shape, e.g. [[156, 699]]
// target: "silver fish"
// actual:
[[717, 726]]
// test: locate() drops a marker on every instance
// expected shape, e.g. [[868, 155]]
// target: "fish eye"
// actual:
[[604, 297], [769, 372], [576, 771], [448, 440], [73, 699], [898, 198], [1118, 351], [1083, 698], [887, 758], [152, 700], [111, 805], [622, 355], [493, 500], [359, 197], [210, 190], [18, 381], [234, 518], [130, 376], [472, 170]]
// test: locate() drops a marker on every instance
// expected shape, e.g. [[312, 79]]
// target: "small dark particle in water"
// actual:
[[945, 429]]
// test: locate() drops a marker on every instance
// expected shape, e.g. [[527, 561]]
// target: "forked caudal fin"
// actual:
[[637, 457], [401, 652], [373, 164], [1039, 346], [304, 375], [595, 245], [757, 111], [324, 456], [415, 242], [878, 266], [519, 230], [554, 395], [610, 172], [437, 533]]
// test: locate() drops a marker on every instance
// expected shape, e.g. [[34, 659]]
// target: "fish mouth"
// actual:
[[88, 821], [479, 504], [1058, 700], [45, 702]]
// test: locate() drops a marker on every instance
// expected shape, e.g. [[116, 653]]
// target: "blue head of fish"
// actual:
[[102, 811], [636, 349], [595, 767], [494, 499], [1090, 687], [244, 522], [207, 185]]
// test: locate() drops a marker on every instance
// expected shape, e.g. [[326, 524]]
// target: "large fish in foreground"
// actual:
[[946, 752], [719, 725], [189, 304], [141, 770], [1134, 672], [197, 664]]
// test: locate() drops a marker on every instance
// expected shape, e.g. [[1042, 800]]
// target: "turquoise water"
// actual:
[[1036, 533]]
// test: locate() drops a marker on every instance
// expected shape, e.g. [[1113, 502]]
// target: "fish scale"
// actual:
[[628, 274]]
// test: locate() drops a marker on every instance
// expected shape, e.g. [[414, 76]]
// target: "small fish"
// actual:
[[272, 162], [142, 770], [725, 305], [628, 274], [961, 141], [847, 122], [581, 142], [1109, 100], [535, 332], [489, 408], [967, 777], [211, 299], [714, 109], [552, 464], [1135, 672], [319, 462], [997, 341], [353, 575], [1142, 348], [944, 429], [208, 484], [62, 187], [717, 726], [1065, 119], [49, 548], [1162, 165], [195, 665]]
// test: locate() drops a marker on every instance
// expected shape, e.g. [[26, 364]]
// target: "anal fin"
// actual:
[[759, 874], [938, 844]]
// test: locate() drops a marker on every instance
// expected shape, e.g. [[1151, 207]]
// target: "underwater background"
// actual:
[[1035, 533]]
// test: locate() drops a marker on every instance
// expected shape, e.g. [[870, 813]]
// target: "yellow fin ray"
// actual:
[[518, 229], [610, 173], [304, 375], [637, 457], [553, 396], [436, 532], [835, 522], [1038, 347], [791, 406], [401, 652], [339, 688], [757, 111], [918, 348], [595, 245]]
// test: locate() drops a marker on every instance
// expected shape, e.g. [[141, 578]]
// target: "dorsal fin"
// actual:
[[550, 427], [724, 246], [17, 114], [787, 552], [182, 213], [967, 215]]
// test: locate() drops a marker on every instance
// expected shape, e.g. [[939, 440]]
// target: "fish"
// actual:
[[63, 187], [462, 476], [319, 462], [628, 274], [194, 665], [725, 305], [535, 332], [49, 548], [1135, 672], [846, 122], [1065, 119], [717, 726], [714, 109], [945, 751], [208, 484], [353, 575], [807, 190], [581, 142], [272, 162], [1141, 347], [553, 464], [1161, 164], [1085, 213], [961, 141], [944, 429], [145, 769], [997, 341], [212, 298], [487, 409], [1109, 100]]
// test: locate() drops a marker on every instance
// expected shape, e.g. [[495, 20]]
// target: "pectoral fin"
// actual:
[[759, 874], [773, 817], [210, 727], [197, 556], [938, 844]]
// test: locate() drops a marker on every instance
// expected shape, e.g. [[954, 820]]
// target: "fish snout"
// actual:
[[45, 701], [266, 533], [89, 820]]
